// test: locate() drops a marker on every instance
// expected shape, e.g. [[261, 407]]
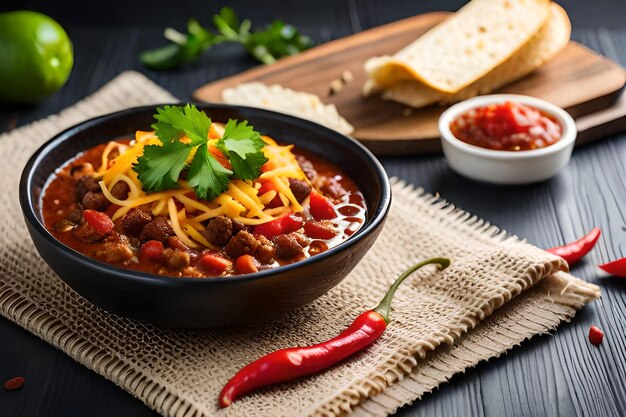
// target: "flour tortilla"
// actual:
[[284, 100], [465, 47], [548, 42]]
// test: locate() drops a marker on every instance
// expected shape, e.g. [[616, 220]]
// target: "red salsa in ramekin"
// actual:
[[507, 126]]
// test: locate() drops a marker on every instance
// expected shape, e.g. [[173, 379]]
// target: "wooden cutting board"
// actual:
[[577, 79]]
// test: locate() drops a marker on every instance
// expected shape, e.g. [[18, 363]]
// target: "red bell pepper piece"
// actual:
[[287, 364], [152, 250], [573, 252], [617, 267], [246, 264], [320, 230], [320, 207], [595, 335], [99, 222], [215, 263], [284, 224]]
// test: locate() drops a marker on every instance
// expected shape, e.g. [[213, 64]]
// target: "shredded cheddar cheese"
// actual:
[[241, 201]]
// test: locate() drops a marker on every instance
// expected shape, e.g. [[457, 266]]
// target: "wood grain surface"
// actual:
[[389, 128], [558, 375]]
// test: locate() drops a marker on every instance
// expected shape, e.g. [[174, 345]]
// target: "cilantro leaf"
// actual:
[[174, 122], [243, 146], [206, 175], [277, 40], [159, 167], [247, 169]]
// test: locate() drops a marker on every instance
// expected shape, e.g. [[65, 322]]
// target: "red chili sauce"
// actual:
[[64, 206], [507, 126]]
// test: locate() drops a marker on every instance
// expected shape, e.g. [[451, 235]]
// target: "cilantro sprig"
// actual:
[[268, 45], [160, 166]]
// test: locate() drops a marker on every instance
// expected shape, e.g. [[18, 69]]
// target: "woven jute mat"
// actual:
[[498, 292]]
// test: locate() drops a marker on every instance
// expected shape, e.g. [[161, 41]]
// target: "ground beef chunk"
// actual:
[[76, 214], [219, 230], [86, 233], [237, 226], [85, 184], [290, 245], [332, 188], [299, 188], [241, 244], [176, 259], [158, 229], [115, 252], [307, 167], [95, 201], [265, 252], [134, 222], [174, 242], [120, 190]]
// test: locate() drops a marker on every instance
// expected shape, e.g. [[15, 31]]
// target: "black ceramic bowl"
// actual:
[[189, 302]]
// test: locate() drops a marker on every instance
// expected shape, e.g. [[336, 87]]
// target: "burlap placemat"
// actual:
[[498, 292]]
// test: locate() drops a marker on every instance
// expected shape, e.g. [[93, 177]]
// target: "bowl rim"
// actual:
[[29, 211], [566, 121]]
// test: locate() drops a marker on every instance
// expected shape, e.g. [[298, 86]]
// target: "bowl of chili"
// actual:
[[507, 139], [198, 302]]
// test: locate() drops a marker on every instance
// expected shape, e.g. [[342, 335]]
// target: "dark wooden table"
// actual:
[[547, 376]]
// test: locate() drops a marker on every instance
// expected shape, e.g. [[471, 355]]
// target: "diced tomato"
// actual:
[[152, 250], [269, 186], [595, 335], [246, 264], [321, 208], [268, 166], [213, 133], [320, 230], [220, 157], [284, 224], [99, 221], [215, 263]]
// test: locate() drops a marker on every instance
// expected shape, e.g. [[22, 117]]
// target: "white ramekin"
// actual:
[[507, 167]]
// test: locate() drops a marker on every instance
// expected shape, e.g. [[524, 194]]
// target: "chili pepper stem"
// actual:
[[385, 305]]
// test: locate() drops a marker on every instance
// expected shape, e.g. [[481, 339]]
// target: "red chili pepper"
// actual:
[[287, 364], [617, 267], [595, 335], [573, 252]]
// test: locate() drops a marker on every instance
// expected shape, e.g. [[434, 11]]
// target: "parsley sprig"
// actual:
[[268, 45], [160, 166]]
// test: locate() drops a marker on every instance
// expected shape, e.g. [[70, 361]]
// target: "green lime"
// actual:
[[35, 56]]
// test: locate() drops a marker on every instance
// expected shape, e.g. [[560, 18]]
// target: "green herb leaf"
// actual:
[[159, 167], [244, 147], [174, 122], [274, 42], [206, 175]]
